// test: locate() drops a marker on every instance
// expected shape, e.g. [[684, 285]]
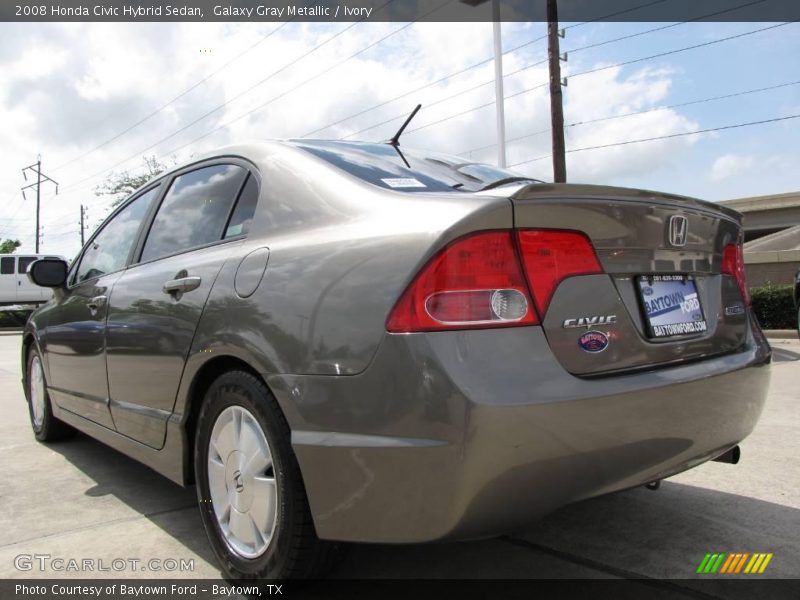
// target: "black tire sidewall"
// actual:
[[242, 389]]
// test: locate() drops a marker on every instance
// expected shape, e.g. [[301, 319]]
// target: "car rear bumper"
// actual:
[[469, 434]]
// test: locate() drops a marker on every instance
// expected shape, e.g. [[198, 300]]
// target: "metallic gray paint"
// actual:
[[405, 438]]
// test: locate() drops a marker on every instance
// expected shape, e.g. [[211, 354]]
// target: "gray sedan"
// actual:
[[353, 342]]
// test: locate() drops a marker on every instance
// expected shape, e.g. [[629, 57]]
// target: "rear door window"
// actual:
[[245, 209], [194, 211], [23, 262], [7, 265]]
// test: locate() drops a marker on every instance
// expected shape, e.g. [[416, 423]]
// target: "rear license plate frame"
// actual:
[[670, 294]]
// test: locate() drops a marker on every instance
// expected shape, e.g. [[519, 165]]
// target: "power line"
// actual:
[[36, 168], [537, 63], [76, 184], [663, 27], [175, 99], [678, 50], [474, 66], [427, 85], [442, 100], [273, 99], [323, 72], [218, 107], [641, 112], [598, 69], [663, 137], [469, 110], [616, 14]]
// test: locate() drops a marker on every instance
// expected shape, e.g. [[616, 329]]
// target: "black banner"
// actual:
[[397, 10], [746, 586]]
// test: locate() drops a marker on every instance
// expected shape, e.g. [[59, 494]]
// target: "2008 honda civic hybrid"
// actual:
[[357, 342]]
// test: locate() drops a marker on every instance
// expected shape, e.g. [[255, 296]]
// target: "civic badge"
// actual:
[[593, 341]]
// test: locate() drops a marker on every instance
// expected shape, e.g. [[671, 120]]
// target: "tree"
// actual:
[[120, 185], [8, 246]]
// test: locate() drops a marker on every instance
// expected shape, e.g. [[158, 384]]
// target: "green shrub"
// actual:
[[13, 319], [774, 306]]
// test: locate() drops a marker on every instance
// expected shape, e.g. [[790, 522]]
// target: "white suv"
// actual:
[[14, 285]]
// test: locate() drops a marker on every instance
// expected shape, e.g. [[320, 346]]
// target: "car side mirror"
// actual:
[[48, 272]]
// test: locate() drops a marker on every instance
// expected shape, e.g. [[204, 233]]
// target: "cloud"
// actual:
[[66, 88], [730, 165]]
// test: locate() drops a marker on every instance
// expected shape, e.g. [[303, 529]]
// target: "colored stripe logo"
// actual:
[[724, 563]]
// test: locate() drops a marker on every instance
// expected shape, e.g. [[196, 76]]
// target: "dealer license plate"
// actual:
[[671, 305]]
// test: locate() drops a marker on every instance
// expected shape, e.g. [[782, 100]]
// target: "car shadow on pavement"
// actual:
[[783, 355], [661, 534], [166, 504]]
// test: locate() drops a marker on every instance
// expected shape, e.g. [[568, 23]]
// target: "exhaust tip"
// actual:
[[731, 456]]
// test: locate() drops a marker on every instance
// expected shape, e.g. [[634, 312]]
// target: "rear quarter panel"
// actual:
[[340, 254]]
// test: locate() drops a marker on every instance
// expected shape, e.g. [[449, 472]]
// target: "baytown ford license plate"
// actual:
[[671, 305]]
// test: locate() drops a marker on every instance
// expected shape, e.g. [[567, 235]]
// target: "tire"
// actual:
[[285, 547], [46, 427]]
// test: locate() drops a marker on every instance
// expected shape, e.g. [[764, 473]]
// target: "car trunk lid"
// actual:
[[660, 255]]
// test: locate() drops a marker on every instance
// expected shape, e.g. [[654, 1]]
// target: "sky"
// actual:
[[96, 98]]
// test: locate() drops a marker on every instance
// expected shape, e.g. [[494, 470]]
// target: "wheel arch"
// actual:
[[201, 381], [30, 339]]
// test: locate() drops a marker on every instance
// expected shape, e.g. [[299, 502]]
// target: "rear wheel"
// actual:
[[252, 500], [46, 427]]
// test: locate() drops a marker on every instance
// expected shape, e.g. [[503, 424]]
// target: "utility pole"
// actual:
[[37, 168], [83, 223], [556, 105], [499, 97]]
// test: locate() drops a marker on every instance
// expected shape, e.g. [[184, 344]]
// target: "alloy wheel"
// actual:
[[36, 391]]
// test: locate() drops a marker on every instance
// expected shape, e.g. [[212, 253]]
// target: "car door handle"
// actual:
[[182, 285], [96, 302]]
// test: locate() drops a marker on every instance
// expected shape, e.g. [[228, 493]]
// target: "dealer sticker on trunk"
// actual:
[[403, 182], [672, 305]]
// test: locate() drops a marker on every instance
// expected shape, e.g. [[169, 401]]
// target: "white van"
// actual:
[[14, 285]]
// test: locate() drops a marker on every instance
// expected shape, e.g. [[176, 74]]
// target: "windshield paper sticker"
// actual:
[[403, 182], [672, 305]]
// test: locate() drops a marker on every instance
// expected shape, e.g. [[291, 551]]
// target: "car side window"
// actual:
[[194, 211], [245, 208], [23, 262], [109, 250], [7, 265]]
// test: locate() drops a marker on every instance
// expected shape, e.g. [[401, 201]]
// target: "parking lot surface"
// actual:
[[80, 499]]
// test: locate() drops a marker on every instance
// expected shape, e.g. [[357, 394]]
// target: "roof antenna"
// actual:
[[395, 141]]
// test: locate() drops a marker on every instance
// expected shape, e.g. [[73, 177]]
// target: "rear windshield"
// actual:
[[406, 170]]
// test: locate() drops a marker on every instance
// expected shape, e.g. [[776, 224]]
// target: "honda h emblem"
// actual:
[[678, 230]]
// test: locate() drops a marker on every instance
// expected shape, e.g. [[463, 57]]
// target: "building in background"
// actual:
[[772, 237]]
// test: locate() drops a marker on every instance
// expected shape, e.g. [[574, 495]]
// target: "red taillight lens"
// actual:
[[474, 282], [733, 265], [550, 256]]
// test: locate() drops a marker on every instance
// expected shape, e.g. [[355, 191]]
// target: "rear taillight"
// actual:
[[733, 265], [478, 281], [475, 282], [550, 256]]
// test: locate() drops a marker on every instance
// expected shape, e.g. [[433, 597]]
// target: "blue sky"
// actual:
[[66, 88], [756, 61]]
